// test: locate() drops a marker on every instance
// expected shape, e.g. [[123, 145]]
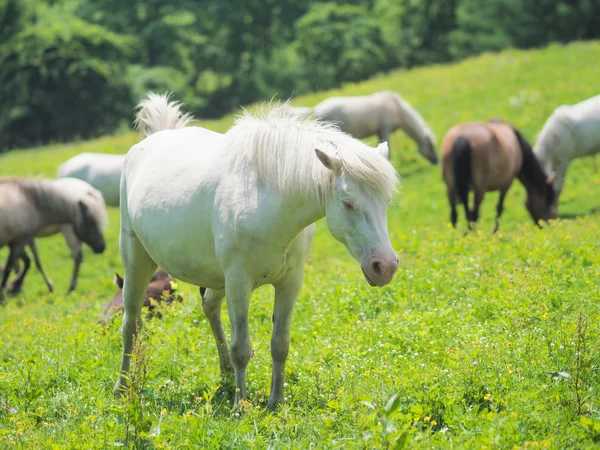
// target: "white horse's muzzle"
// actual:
[[379, 269]]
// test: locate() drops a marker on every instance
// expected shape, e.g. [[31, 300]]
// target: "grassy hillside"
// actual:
[[489, 341]]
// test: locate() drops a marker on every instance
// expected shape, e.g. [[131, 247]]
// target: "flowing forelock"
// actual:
[[280, 148]]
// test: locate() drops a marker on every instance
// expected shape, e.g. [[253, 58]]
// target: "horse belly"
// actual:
[[108, 184]]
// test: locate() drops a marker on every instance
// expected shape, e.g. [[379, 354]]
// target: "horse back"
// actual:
[[360, 116], [495, 156]]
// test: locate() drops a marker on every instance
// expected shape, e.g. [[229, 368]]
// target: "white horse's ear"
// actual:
[[384, 150], [551, 178], [333, 163]]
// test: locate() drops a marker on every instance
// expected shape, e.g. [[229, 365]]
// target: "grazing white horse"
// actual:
[[377, 114], [101, 170], [231, 212], [570, 132]]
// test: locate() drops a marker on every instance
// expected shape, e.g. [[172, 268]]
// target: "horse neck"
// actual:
[[531, 174], [411, 123], [288, 216], [52, 204]]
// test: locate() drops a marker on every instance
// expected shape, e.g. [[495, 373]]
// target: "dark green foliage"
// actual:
[[61, 78], [76, 68], [343, 37]]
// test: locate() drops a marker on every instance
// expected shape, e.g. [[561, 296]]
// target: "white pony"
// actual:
[[380, 114], [570, 132], [101, 170], [231, 212]]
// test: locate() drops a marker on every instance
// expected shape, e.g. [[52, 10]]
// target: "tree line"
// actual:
[[76, 68]]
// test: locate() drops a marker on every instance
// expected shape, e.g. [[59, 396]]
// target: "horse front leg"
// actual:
[[237, 290], [211, 304], [139, 268], [38, 264], [16, 249], [76, 252], [285, 298]]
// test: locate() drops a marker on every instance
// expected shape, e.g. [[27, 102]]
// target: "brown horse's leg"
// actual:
[[452, 200], [500, 208], [479, 194]]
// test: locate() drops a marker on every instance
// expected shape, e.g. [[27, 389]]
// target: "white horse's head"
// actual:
[[357, 217]]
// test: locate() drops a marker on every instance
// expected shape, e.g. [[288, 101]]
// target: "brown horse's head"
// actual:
[[541, 198], [541, 202]]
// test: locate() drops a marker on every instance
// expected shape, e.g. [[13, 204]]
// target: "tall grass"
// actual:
[[488, 341]]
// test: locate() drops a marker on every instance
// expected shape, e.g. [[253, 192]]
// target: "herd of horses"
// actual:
[[234, 211]]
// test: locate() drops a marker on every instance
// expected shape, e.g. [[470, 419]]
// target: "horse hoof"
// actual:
[[13, 290], [273, 405]]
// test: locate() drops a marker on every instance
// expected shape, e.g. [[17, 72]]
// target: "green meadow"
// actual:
[[483, 341]]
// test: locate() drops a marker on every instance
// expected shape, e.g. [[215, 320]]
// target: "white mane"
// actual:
[[280, 148], [157, 113], [411, 117]]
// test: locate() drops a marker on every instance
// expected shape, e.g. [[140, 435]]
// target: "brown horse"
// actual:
[[486, 157], [159, 290]]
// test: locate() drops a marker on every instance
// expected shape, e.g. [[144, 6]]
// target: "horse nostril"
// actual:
[[376, 266]]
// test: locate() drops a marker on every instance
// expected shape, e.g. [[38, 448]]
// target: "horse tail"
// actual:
[[158, 112], [462, 168]]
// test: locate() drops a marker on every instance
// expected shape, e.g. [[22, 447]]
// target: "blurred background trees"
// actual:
[[76, 68]]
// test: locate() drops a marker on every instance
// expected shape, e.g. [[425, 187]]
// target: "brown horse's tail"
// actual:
[[461, 165]]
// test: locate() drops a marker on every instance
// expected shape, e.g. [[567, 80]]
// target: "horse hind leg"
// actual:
[[211, 304], [16, 284], [139, 268], [479, 194], [500, 208], [452, 200], [16, 249]]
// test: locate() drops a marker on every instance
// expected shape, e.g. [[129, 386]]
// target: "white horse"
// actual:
[[101, 170], [37, 207], [570, 132], [377, 114], [231, 212]]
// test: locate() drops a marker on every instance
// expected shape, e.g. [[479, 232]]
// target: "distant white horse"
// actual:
[[234, 211], [377, 114], [101, 170], [570, 132], [37, 207]]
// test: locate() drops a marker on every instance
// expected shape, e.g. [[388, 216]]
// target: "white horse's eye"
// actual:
[[348, 204]]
